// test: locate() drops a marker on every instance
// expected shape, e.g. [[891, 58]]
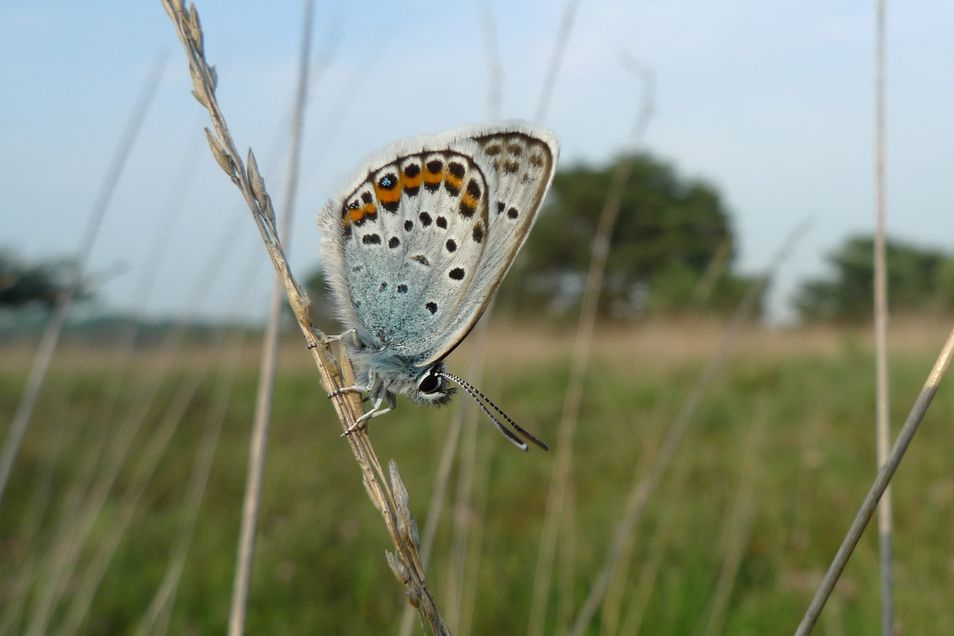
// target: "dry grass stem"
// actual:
[[882, 399], [156, 619], [582, 347], [125, 345], [556, 58], [144, 469], [643, 488], [494, 68], [335, 371], [51, 335], [258, 444], [737, 527], [88, 494], [616, 593], [910, 428]]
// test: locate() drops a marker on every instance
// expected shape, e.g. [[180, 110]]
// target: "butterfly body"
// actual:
[[417, 244]]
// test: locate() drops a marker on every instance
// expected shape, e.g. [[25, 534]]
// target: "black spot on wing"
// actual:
[[466, 210], [473, 188], [457, 273], [456, 169], [371, 239], [394, 242], [431, 307]]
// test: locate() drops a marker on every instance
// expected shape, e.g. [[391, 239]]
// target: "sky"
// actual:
[[771, 102]]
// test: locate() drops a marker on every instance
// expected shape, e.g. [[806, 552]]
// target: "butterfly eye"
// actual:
[[429, 383]]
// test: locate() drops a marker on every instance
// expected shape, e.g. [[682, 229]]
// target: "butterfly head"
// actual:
[[431, 386]]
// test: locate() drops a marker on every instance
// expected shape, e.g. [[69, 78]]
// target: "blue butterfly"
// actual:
[[416, 246]]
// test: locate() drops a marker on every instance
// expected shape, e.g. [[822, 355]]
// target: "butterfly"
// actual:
[[415, 247]]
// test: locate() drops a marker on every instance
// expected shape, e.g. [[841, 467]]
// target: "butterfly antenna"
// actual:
[[480, 398], [513, 439]]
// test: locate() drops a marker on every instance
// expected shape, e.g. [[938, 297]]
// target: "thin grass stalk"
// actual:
[[463, 414], [435, 508], [616, 593], [738, 528], [556, 58], [468, 600], [714, 271], [148, 462], [126, 341], [642, 489], [463, 508], [344, 100], [144, 470], [156, 619], [880, 484], [488, 27], [882, 397], [582, 346], [51, 335], [670, 520], [31, 530], [266, 386], [83, 506], [386, 490]]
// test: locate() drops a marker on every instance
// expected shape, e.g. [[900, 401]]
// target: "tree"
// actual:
[[23, 285], [919, 280], [671, 250]]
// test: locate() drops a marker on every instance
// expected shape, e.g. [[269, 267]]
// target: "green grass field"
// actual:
[[735, 540]]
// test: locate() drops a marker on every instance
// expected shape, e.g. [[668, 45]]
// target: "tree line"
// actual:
[[672, 252]]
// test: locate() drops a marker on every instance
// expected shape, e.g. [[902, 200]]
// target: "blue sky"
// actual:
[[772, 102]]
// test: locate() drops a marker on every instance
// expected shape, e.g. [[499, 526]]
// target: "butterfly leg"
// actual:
[[352, 333], [382, 396], [354, 388]]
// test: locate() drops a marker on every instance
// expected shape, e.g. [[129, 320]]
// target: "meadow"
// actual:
[[735, 539]]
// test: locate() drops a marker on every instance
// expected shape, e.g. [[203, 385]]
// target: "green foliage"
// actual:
[[23, 285], [320, 566], [672, 234], [920, 280]]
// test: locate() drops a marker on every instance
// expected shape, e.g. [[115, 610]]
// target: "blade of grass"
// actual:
[[882, 425], [556, 58], [157, 615], [258, 445], [910, 428], [582, 346], [642, 489], [51, 335], [386, 491]]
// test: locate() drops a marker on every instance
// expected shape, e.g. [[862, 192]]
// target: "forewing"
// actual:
[[519, 160], [424, 234], [402, 248]]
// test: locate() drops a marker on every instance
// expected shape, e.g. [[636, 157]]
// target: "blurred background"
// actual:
[[732, 146]]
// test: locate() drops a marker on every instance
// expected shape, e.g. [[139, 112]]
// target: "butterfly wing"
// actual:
[[520, 161], [415, 248]]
